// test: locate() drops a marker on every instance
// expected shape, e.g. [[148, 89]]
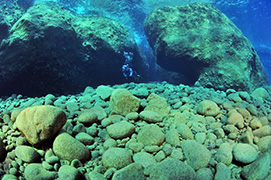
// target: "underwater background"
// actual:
[[136, 57], [135, 89], [251, 16]]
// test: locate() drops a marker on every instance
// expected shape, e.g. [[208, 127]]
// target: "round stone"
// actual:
[[87, 118], [144, 158], [116, 158], [36, 171], [224, 154], [151, 135], [27, 153], [69, 172], [68, 148], [244, 153], [120, 130], [208, 108], [123, 102], [150, 116], [171, 169], [84, 138], [197, 155]]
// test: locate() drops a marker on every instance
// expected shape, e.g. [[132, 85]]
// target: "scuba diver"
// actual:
[[126, 69]]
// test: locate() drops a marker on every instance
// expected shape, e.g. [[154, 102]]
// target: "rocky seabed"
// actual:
[[137, 131]]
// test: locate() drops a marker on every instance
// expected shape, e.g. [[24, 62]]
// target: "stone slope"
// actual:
[[195, 133]]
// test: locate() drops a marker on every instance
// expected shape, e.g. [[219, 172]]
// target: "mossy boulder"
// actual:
[[52, 50], [10, 12], [200, 42]]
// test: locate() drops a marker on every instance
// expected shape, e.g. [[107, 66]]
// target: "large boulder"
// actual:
[[51, 50], [200, 42], [40, 123]]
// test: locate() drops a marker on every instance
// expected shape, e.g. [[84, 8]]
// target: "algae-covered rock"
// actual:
[[261, 93], [69, 172], [132, 171], [172, 136], [197, 155], [150, 116], [222, 172], [200, 42], [258, 169], [52, 50], [144, 158], [116, 158], [224, 154], [120, 130], [68, 148], [87, 118], [104, 91], [151, 135], [35, 171], [171, 169], [27, 154], [204, 174], [10, 12]]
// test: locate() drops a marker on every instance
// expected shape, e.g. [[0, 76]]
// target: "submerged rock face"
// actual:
[[201, 43], [49, 49], [10, 12]]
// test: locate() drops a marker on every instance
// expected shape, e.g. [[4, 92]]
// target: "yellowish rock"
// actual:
[[255, 124], [179, 118], [15, 114], [264, 121], [120, 130], [40, 123], [123, 102], [150, 116], [208, 108], [158, 104], [151, 135], [235, 118], [263, 131], [245, 113], [172, 136], [184, 131], [247, 137]]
